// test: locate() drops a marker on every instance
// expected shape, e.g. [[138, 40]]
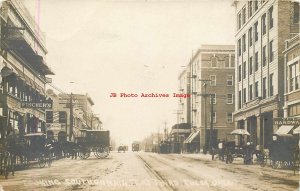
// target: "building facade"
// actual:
[[292, 73], [210, 75], [262, 28], [23, 71], [183, 113], [59, 119]]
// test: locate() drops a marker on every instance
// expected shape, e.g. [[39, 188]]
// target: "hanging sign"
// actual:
[[41, 105]]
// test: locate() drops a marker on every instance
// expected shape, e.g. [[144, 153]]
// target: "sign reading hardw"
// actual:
[[286, 121], [42, 105]]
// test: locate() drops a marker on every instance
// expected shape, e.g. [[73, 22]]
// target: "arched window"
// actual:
[[214, 62]]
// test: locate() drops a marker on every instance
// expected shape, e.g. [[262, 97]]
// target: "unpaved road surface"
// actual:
[[150, 171]]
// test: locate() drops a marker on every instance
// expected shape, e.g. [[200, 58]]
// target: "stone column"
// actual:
[[258, 128], [275, 115]]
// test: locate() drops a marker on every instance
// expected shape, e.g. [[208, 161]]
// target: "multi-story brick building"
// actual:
[[262, 28], [23, 71], [292, 76], [184, 103], [58, 118], [212, 72]]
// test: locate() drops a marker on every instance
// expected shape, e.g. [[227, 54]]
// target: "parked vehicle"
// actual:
[[96, 141], [283, 151], [121, 148], [242, 150]]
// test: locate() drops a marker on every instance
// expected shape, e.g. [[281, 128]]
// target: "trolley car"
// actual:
[[96, 141], [135, 146]]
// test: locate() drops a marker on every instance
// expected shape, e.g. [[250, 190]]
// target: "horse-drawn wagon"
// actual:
[[96, 141]]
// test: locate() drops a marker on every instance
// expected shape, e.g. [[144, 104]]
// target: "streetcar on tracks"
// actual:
[[93, 141], [135, 146]]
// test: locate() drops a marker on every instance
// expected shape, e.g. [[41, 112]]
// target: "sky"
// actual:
[[129, 46]]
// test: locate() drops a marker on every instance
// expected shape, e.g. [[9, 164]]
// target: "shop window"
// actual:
[[49, 116], [62, 117]]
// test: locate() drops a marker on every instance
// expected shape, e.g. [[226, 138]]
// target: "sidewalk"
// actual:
[[237, 162]]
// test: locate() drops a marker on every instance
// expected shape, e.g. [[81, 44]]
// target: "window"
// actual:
[[250, 8], [244, 15], [256, 89], [256, 61], [229, 98], [271, 85], [271, 53], [271, 20], [256, 31], [296, 13], [239, 47], [255, 5], [263, 23], [250, 92], [240, 73], [294, 110], [250, 37], [229, 118], [294, 76], [49, 116], [62, 117], [213, 97], [213, 80], [214, 117], [227, 62], [244, 42], [250, 65], [240, 99], [232, 61], [244, 95], [264, 58], [244, 70], [264, 88], [214, 62], [229, 80], [239, 21]]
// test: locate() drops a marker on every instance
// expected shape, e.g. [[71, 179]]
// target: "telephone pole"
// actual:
[[71, 117], [211, 118], [205, 81]]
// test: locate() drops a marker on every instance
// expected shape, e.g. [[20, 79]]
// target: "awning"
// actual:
[[284, 129], [194, 136], [187, 139], [191, 137], [297, 130], [180, 131]]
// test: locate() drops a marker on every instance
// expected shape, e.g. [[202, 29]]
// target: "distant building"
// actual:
[[58, 118], [183, 112], [212, 69], [261, 30], [209, 74]]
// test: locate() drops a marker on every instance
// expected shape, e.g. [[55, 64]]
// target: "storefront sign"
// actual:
[[54, 126], [286, 121], [42, 105]]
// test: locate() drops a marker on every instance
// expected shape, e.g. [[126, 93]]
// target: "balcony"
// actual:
[[25, 15]]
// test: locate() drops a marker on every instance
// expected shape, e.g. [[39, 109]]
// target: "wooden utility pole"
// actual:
[[71, 117]]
